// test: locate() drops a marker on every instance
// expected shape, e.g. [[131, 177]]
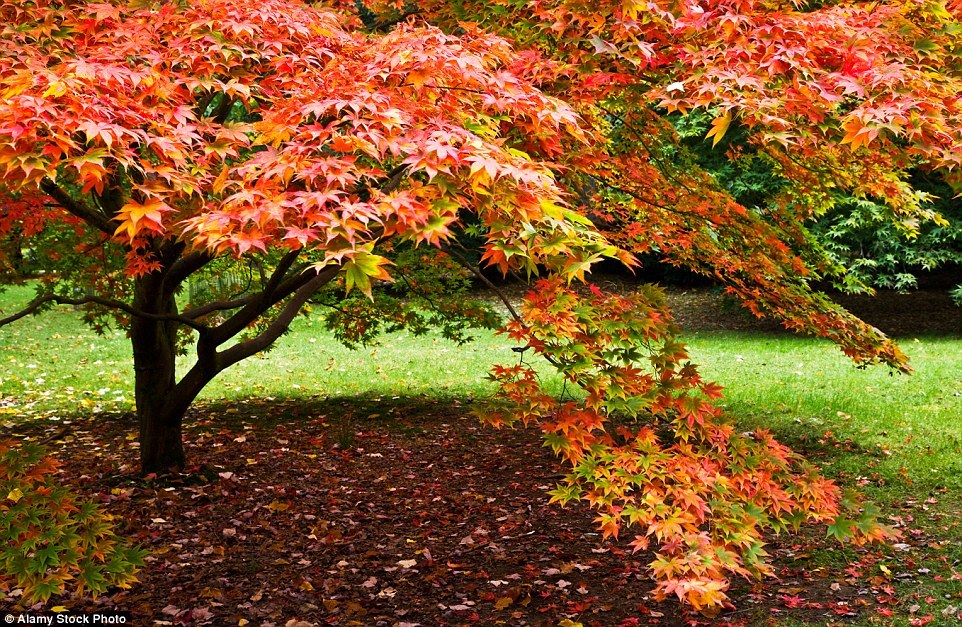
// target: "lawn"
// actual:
[[897, 438]]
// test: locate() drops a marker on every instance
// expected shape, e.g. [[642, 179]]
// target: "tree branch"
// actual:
[[501, 295], [183, 268], [85, 213], [210, 363], [220, 305], [242, 350], [276, 290], [394, 179], [38, 302]]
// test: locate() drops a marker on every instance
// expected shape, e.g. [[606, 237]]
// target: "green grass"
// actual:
[[803, 388], [53, 363], [899, 438]]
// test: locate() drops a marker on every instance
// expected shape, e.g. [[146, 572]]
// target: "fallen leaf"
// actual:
[[503, 602]]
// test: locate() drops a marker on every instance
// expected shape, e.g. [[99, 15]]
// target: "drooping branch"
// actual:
[[110, 303], [494, 288], [91, 216]]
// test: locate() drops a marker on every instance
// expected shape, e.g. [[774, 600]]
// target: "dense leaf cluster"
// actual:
[[54, 542], [652, 452]]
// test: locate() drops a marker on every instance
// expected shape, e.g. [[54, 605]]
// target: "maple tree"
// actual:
[[169, 138], [165, 141]]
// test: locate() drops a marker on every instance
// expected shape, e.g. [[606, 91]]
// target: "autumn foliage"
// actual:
[[173, 137], [165, 140], [651, 451], [54, 541]]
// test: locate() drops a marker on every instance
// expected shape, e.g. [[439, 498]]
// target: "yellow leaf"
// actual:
[[306, 586], [150, 213], [221, 181], [129, 227], [362, 267], [719, 126], [151, 210], [857, 133], [56, 89], [15, 495], [277, 506], [502, 603], [58, 609], [417, 78]]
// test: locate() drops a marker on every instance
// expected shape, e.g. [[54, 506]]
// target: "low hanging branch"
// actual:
[[40, 301]]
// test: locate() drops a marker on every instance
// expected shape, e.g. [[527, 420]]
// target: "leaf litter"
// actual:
[[419, 517]]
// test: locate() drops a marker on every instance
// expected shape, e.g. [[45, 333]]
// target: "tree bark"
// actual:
[[155, 351]]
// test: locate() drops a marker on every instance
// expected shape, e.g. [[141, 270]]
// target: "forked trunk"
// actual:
[[162, 400]]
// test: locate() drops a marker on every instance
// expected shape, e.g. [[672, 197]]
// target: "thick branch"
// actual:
[[225, 305], [85, 213], [280, 324], [276, 290], [103, 302], [220, 305], [210, 363], [183, 268], [204, 103]]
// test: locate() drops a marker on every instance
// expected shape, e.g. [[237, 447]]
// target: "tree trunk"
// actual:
[[162, 401], [154, 348]]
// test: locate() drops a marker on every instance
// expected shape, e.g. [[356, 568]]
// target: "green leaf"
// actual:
[[361, 268]]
